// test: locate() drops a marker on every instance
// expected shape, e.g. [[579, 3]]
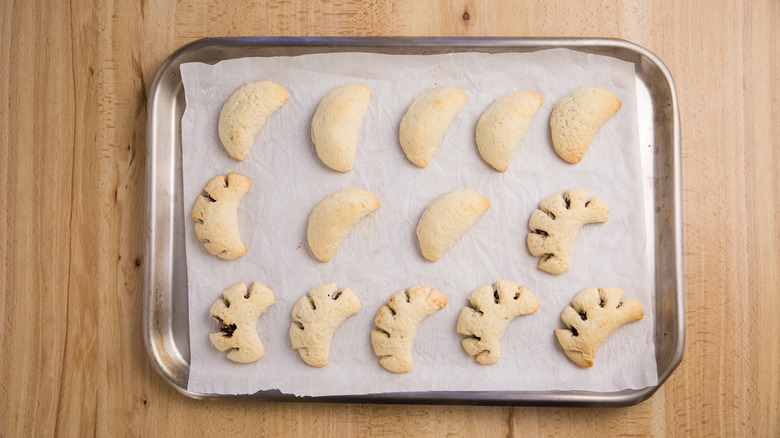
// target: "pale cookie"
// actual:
[[427, 120], [493, 308], [554, 227], [334, 217], [577, 117], [316, 317], [503, 125], [335, 127], [216, 215], [237, 315], [246, 112], [397, 323], [594, 314], [446, 219]]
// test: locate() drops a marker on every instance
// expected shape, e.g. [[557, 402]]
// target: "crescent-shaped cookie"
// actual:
[[577, 117], [594, 314], [237, 316], [493, 307], [216, 215], [316, 317], [335, 127], [397, 323], [427, 120], [246, 112], [556, 223], [334, 217], [504, 124], [446, 219]]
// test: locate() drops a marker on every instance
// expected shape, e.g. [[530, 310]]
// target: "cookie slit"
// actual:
[[548, 256], [495, 296], [408, 296], [392, 311], [337, 294], [602, 302], [382, 331], [476, 337], [551, 214], [227, 184], [542, 232], [584, 315], [587, 203], [209, 197], [311, 301], [300, 325], [226, 329], [517, 294], [574, 332], [619, 304]]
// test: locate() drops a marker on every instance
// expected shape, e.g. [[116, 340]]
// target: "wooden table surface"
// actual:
[[73, 121]]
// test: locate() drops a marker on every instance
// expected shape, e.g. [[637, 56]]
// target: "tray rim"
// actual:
[[152, 331]]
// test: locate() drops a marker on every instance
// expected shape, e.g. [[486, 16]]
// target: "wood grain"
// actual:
[[73, 118]]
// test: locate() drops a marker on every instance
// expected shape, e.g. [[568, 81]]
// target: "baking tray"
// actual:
[[165, 325]]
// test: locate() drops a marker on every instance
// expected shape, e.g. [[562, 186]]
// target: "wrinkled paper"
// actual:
[[381, 255]]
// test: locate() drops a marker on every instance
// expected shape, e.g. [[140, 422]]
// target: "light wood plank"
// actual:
[[36, 160]]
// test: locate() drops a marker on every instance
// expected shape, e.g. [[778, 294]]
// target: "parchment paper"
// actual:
[[381, 255]]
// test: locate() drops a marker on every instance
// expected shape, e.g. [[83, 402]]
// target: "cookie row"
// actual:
[[595, 313], [336, 124], [554, 226]]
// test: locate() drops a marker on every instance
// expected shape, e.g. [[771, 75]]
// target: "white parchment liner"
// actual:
[[381, 256]]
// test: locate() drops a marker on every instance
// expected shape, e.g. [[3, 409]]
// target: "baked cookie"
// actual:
[[246, 112], [554, 227], [335, 127], [427, 120], [577, 117], [397, 323], [237, 315], [316, 317], [594, 314], [446, 219], [503, 125], [216, 215], [334, 217], [493, 308]]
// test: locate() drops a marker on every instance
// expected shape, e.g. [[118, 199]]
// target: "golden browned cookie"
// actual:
[[316, 317], [335, 127], [427, 120], [555, 224], [493, 308], [503, 125], [577, 117], [446, 219], [246, 112], [334, 217], [237, 316], [216, 215], [397, 323], [594, 314]]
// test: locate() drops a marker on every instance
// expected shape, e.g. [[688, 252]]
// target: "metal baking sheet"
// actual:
[[165, 324]]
